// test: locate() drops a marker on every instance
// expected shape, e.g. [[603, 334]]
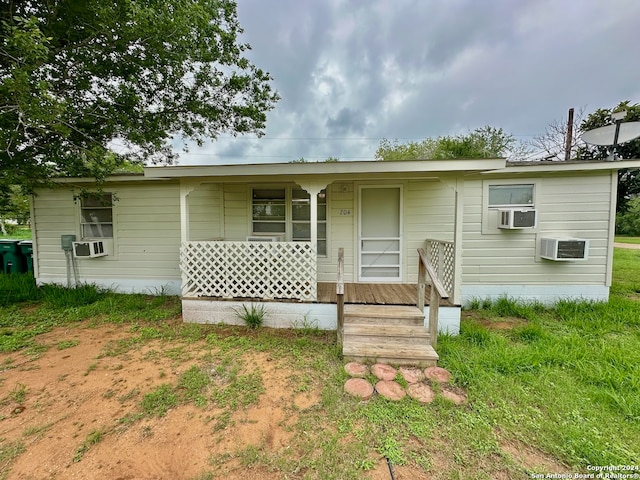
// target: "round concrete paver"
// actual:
[[421, 392], [411, 374], [437, 374], [358, 387], [383, 371], [355, 369], [391, 390], [454, 397]]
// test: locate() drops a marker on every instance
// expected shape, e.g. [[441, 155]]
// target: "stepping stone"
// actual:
[[358, 387], [391, 390], [457, 398], [437, 374], [355, 369], [411, 374], [421, 392], [383, 371]]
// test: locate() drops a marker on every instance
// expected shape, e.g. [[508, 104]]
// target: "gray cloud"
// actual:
[[351, 72]]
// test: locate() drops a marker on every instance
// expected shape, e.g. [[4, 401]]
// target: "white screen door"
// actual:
[[380, 257]]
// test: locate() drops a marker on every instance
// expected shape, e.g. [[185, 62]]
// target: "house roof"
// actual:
[[341, 169], [566, 166], [361, 169]]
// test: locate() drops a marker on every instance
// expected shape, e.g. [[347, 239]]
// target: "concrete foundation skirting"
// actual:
[[448, 319], [147, 286], [278, 314], [545, 294], [290, 315]]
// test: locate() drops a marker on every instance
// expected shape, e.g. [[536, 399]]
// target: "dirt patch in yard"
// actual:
[[77, 412], [73, 410]]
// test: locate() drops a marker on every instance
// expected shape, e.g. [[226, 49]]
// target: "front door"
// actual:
[[380, 227]]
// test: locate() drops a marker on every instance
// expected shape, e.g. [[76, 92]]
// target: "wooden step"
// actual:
[[372, 333], [419, 355], [383, 314], [388, 334]]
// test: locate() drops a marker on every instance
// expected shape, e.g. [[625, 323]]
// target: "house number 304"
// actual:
[[345, 212]]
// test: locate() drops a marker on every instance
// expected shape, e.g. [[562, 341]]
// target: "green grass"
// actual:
[[93, 438], [561, 382], [634, 240], [28, 311], [16, 233]]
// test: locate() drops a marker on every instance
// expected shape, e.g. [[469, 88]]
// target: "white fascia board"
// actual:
[[327, 168], [136, 177], [571, 166]]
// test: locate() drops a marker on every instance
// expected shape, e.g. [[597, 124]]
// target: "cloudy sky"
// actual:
[[351, 72]]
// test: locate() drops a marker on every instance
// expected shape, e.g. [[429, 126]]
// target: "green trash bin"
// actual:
[[26, 248], [12, 259]]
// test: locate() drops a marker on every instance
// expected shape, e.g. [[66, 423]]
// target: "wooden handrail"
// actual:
[[340, 295], [437, 293]]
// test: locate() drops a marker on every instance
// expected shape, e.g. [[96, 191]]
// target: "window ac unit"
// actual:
[[513, 218], [264, 238], [89, 249], [564, 249]]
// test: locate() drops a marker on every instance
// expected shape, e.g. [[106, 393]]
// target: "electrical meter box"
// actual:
[[67, 242]]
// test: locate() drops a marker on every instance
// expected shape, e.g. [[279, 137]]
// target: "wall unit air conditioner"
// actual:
[[564, 249], [514, 218], [264, 238], [89, 249]]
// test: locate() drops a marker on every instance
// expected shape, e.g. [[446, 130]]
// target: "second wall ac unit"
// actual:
[[514, 218], [89, 249], [564, 249]]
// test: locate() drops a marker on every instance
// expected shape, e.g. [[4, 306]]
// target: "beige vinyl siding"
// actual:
[[54, 215], [205, 212], [146, 239], [568, 206], [236, 212], [429, 210]]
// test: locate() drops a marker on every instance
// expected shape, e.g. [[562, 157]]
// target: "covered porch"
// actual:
[[287, 272]]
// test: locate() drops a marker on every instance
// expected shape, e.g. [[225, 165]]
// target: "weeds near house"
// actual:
[[252, 316], [306, 326], [16, 288]]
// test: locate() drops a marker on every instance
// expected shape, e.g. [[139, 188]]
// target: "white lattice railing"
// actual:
[[441, 256], [249, 270]]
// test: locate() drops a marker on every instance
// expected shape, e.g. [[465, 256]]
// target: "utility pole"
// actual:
[[569, 138]]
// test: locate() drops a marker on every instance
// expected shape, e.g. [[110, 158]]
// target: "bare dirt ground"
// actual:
[[68, 408], [72, 393]]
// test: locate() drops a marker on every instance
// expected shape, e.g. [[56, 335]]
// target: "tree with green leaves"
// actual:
[[87, 86], [628, 179], [14, 205], [485, 142]]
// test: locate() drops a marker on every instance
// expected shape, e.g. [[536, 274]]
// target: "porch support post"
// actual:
[[457, 240], [186, 188], [313, 189]]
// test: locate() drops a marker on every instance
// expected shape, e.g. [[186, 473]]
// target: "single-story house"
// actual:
[[220, 235]]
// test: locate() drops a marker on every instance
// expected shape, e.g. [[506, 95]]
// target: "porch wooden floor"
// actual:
[[375, 293]]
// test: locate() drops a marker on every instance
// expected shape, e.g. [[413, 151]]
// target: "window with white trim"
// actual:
[[513, 195], [269, 211], [287, 212], [96, 215]]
